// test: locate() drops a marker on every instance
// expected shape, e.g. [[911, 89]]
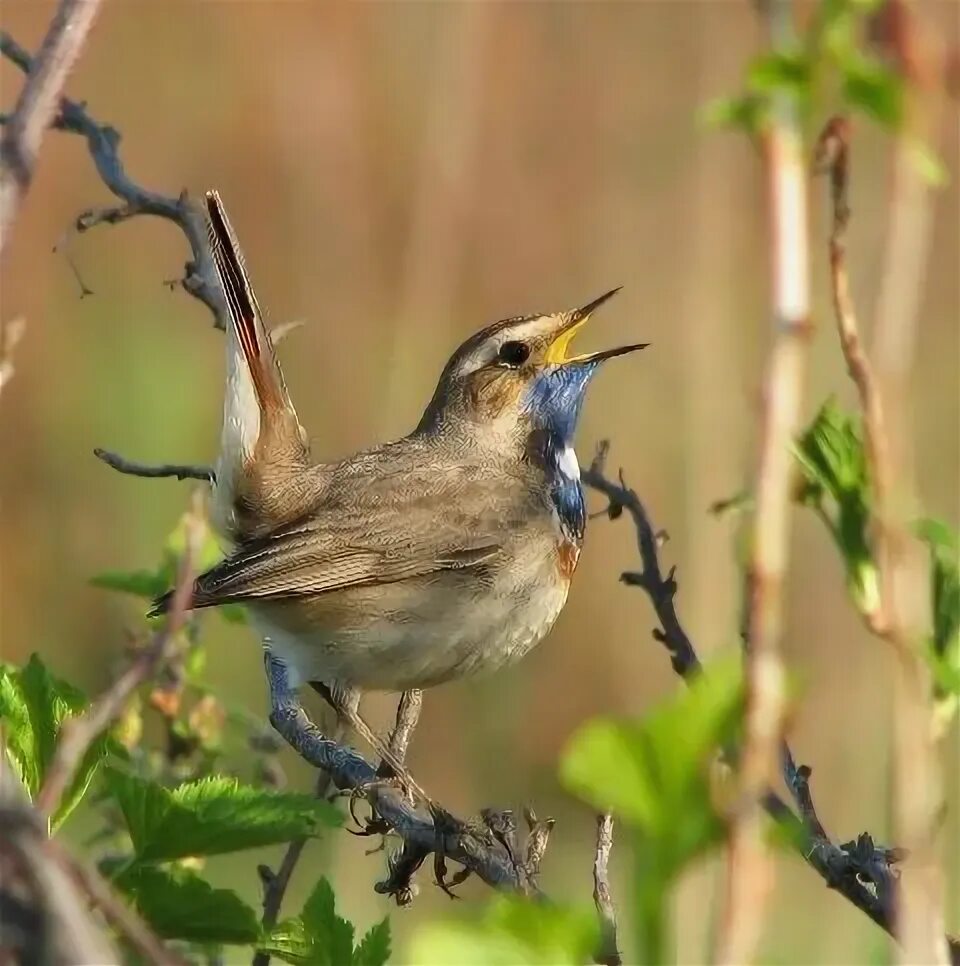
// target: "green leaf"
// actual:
[[233, 613], [833, 464], [212, 816], [781, 71], [944, 547], [511, 932], [745, 113], [873, 88], [34, 706], [179, 904], [654, 773], [175, 546], [318, 936], [141, 583], [374, 948]]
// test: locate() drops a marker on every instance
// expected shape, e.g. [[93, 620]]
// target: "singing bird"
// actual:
[[446, 552]]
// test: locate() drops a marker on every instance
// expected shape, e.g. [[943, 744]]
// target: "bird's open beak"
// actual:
[[557, 352]]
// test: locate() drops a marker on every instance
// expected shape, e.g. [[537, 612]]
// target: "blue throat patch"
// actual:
[[553, 402]]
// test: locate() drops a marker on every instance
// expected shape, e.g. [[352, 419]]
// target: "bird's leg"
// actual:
[[345, 701]]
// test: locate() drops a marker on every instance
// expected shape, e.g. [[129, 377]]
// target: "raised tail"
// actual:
[[246, 319], [262, 443]]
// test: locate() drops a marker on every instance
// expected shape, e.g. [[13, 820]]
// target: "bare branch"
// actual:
[[78, 734], [179, 470], [37, 103], [749, 869], [841, 867], [660, 589], [609, 954], [276, 883], [103, 143]]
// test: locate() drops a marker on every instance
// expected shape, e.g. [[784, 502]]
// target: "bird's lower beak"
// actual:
[[557, 352]]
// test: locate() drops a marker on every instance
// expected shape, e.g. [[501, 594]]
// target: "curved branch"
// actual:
[[103, 143]]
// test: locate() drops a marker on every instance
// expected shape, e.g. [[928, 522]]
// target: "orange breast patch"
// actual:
[[568, 554]]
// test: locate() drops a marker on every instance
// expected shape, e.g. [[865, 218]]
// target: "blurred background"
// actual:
[[400, 175]]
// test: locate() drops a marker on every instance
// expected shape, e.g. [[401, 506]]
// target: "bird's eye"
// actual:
[[514, 353]]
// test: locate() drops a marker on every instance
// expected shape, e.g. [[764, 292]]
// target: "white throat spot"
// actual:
[[568, 464]]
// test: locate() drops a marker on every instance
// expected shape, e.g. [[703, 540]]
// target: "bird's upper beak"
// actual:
[[573, 322]]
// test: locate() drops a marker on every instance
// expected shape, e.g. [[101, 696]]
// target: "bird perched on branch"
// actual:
[[443, 553]]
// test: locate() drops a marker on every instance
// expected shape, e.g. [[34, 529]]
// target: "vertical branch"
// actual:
[[917, 782], [609, 953], [38, 102], [749, 872]]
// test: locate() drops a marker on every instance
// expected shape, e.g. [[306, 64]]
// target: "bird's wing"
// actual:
[[325, 554]]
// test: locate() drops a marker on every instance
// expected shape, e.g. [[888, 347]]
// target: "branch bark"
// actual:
[[37, 104], [609, 954], [749, 869]]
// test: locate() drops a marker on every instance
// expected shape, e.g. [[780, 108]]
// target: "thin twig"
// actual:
[[103, 144], [832, 156], [609, 953], [37, 104], [181, 471], [661, 590], [275, 884], [78, 734], [120, 916]]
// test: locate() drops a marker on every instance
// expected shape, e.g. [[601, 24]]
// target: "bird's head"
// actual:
[[521, 370]]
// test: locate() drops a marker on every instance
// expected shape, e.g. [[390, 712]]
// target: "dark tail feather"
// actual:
[[162, 604], [245, 315]]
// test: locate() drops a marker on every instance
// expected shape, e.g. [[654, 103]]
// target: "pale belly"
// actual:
[[415, 634]]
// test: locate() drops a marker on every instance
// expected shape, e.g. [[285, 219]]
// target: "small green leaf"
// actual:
[[175, 546], [928, 163], [34, 706], [141, 583], [374, 948], [744, 113], [655, 773], [781, 71], [836, 483], [944, 547], [212, 816], [873, 88], [317, 937], [179, 904], [233, 613], [512, 932]]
